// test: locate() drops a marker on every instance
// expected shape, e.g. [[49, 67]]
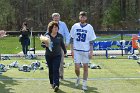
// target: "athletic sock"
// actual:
[[84, 82]]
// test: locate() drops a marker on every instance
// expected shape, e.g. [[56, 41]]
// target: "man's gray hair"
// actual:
[[55, 14]]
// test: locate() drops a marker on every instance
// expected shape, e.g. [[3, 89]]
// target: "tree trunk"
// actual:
[[123, 9]]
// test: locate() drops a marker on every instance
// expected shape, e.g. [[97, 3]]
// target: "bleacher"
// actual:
[[113, 45]]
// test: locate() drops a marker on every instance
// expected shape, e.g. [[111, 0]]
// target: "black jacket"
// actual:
[[57, 44], [25, 34], [25, 37]]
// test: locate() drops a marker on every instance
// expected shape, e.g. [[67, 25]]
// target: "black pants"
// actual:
[[25, 43], [25, 49], [53, 66]]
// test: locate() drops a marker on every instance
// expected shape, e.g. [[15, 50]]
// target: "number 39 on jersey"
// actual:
[[81, 35]]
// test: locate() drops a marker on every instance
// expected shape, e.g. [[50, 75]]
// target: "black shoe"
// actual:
[[56, 88]]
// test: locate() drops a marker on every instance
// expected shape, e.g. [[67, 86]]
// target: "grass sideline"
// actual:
[[11, 45], [111, 68]]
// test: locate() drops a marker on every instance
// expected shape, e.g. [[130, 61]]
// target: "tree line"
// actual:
[[102, 14]]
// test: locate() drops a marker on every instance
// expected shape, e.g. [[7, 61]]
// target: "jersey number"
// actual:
[[81, 37]]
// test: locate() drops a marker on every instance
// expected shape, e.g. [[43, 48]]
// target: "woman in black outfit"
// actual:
[[24, 38], [53, 57]]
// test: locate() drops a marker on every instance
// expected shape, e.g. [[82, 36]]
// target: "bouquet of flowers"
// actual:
[[46, 40]]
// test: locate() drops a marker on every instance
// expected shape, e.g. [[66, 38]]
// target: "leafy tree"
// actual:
[[7, 15], [112, 14]]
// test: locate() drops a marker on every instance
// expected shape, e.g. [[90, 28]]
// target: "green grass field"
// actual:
[[11, 45], [116, 76]]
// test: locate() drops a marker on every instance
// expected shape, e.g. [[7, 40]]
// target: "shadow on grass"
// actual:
[[60, 91], [6, 83], [72, 85]]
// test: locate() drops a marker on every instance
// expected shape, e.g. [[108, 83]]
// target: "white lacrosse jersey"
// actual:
[[82, 35]]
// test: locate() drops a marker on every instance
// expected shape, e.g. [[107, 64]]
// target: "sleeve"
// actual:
[[72, 32], [28, 31], [92, 35], [63, 46], [20, 31], [46, 33], [67, 34]]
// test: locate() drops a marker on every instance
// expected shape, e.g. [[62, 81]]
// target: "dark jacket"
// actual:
[[57, 44], [25, 37]]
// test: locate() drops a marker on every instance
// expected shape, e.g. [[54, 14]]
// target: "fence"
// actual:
[[101, 36]]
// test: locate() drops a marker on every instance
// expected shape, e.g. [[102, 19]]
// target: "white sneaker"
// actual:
[[84, 88], [77, 82]]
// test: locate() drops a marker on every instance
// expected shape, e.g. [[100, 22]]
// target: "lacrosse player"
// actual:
[[82, 36]]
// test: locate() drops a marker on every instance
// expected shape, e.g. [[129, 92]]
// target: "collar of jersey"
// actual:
[[83, 25]]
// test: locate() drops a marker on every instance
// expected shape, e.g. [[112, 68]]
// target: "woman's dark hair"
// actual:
[[51, 25]]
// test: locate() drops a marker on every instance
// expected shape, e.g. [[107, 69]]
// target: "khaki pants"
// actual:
[[61, 69], [139, 50]]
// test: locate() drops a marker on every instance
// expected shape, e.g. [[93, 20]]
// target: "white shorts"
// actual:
[[81, 57]]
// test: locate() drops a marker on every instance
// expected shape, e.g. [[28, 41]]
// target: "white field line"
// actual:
[[90, 79]]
